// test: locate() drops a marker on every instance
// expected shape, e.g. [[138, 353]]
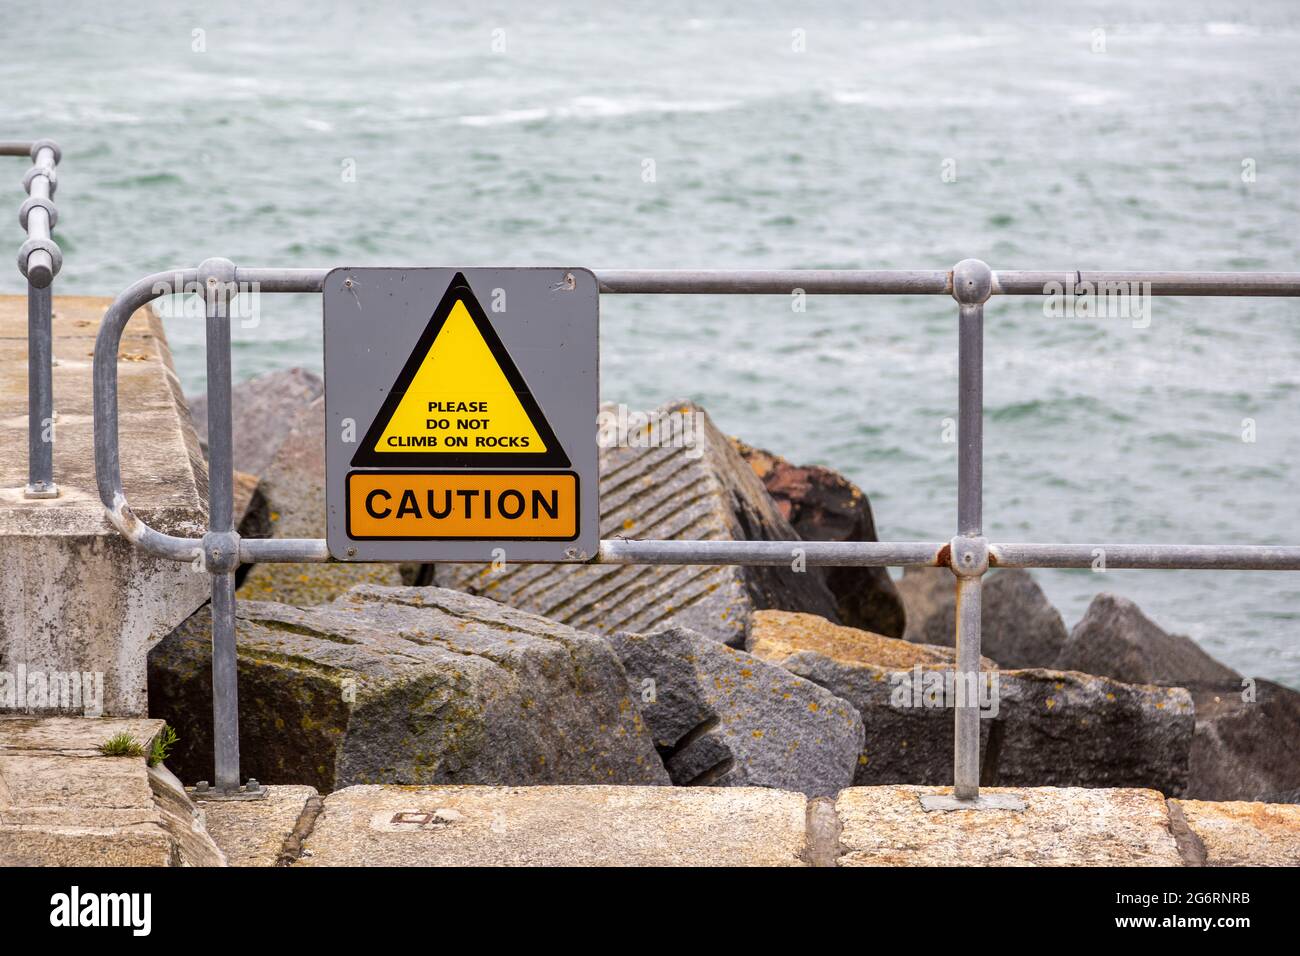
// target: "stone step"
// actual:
[[63, 803]]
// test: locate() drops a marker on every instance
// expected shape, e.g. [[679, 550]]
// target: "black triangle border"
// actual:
[[367, 457]]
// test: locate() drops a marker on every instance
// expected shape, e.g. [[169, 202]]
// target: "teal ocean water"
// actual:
[[1082, 136]]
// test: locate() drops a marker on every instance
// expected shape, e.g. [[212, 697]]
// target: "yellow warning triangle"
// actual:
[[460, 400]]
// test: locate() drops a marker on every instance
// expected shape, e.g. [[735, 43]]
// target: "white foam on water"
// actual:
[[597, 107], [506, 117], [1220, 28]]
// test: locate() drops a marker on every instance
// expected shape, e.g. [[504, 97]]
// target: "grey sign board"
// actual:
[[460, 414]]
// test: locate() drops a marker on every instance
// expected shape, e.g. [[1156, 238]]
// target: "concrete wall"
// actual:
[[75, 598]]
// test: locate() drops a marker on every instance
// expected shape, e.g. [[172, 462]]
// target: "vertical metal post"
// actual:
[[970, 421], [40, 393], [225, 683], [216, 277], [966, 741], [972, 284], [40, 260]]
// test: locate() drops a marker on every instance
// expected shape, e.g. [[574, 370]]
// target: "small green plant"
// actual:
[[162, 745], [121, 745], [124, 745]]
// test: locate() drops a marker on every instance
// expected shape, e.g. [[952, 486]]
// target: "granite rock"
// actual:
[[1020, 628], [722, 717], [263, 410], [1115, 639], [823, 505], [411, 686], [292, 483], [1038, 727], [1247, 742]]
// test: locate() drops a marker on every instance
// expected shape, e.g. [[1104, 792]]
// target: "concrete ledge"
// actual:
[[863, 826], [75, 598], [62, 803], [1066, 826], [558, 826]]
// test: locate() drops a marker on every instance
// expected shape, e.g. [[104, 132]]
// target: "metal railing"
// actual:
[[968, 554], [39, 260]]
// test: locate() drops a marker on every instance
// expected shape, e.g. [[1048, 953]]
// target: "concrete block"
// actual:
[[558, 826], [1241, 833], [260, 832], [76, 600], [887, 826]]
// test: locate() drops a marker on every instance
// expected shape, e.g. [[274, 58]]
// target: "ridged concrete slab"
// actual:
[[75, 597], [1066, 826], [1243, 834], [681, 480], [558, 826]]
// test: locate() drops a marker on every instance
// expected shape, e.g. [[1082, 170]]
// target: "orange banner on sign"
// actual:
[[518, 506]]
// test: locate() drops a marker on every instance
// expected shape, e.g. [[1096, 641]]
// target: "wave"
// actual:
[[1220, 28], [506, 117], [597, 107], [881, 99], [1076, 94]]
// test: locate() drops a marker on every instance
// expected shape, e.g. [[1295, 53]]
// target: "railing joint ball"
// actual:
[[972, 282], [968, 557]]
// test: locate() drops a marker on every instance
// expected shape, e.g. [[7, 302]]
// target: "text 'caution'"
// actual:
[[517, 506]]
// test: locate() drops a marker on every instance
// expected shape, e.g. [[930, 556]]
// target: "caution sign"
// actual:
[[461, 412], [508, 506]]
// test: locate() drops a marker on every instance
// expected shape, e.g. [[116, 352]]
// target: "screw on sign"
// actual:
[[479, 426]]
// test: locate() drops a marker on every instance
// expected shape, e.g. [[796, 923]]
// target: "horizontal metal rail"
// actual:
[[864, 282], [39, 260], [968, 554], [846, 554], [853, 282], [1171, 557]]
